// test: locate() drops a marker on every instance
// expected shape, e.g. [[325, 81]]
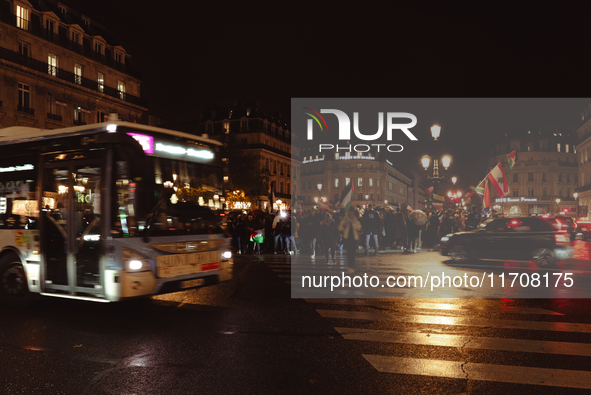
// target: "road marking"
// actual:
[[467, 342], [460, 308], [460, 321], [481, 372]]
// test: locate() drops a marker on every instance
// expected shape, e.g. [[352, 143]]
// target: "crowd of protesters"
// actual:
[[319, 233]]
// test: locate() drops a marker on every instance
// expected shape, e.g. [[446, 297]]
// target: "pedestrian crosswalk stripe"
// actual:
[[460, 308], [460, 321], [482, 372], [467, 342]]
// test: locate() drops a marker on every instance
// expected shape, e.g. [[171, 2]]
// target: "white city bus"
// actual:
[[91, 212]]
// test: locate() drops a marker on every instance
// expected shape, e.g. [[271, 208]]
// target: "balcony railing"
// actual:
[[24, 109], [68, 76]]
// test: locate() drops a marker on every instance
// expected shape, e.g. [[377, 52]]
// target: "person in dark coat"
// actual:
[[447, 224], [432, 232], [268, 245], [313, 227], [329, 234], [372, 225], [399, 229], [240, 229], [389, 228]]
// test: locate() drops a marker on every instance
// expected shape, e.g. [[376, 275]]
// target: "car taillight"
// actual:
[[561, 238]]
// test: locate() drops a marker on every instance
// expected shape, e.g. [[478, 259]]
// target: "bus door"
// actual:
[[71, 238]]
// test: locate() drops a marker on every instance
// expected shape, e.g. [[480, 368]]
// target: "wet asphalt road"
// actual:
[[248, 336]]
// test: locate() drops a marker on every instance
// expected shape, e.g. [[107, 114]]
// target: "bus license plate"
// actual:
[[193, 283]]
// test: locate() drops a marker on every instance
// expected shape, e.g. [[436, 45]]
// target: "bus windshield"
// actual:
[[164, 196]]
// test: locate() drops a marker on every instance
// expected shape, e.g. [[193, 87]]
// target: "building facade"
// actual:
[[584, 161], [544, 177], [59, 68], [265, 136], [375, 180]]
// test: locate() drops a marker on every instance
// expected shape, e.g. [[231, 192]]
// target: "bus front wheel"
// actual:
[[14, 291]]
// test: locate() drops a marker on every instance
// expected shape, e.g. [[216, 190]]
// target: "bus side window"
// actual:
[[18, 207]]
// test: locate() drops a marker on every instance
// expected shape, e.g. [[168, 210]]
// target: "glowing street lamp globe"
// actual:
[[435, 131], [426, 161], [446, 161]]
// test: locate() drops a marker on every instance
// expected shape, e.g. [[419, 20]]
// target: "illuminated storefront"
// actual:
[[522, 206]]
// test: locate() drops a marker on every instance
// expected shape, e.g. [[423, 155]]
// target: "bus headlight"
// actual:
[[134, 262], [227, 255]]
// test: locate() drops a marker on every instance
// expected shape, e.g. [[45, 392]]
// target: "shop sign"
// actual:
[[515, 200]]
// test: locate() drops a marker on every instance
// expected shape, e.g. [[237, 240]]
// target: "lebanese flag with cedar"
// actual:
[[496, 177]]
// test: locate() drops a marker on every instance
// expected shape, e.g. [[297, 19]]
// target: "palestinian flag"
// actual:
[[496, 177], [511, 159], [258, 236], [429, 190], [346, 196]]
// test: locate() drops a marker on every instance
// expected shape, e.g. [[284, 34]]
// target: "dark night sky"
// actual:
[[194, 53]]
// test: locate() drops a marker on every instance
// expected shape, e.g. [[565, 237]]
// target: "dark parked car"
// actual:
[[529, 238]]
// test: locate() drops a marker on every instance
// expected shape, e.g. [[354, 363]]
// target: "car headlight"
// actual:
[[444, 239], [227, 255], [133, 261]]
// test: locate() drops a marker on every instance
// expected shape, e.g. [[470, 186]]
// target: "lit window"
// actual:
[[101, 82], [22, 17], [336, 182], [371, 182], [78, 74], [360, 182], [52, 65], [566, 148], [121, 89], [347, 181], [558, 147], [226, 126]]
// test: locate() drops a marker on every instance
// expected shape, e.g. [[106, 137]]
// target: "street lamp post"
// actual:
[[576, 196], [426, 162]]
